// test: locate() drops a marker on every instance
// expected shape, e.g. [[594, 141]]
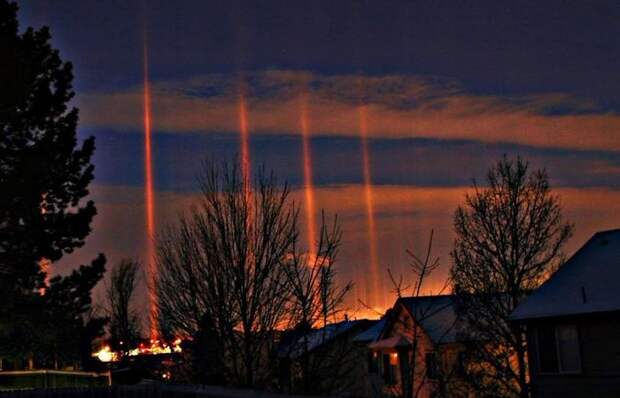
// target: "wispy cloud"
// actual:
[[398, 106]]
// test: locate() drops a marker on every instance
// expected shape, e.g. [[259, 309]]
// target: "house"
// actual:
[[325, 361], [418, 352], [572, 323]]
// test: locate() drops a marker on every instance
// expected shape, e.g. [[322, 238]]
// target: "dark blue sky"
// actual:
[[499, 47], [506, 49]]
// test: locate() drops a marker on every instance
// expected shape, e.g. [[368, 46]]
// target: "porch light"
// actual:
[[394, 358]]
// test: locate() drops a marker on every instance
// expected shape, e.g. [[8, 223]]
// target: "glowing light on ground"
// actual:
[[155, 347], [308, 182], [106, 355], [374, 293], [150, 205]]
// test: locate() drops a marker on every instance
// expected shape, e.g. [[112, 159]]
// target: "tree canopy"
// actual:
[[44, 176], [509, 237]]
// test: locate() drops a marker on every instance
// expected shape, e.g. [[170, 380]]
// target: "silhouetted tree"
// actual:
[[44, 174], [124, 324], [206, 354], [316, 301], [70, 325], [225, 261], [509, 235], [414, 378]]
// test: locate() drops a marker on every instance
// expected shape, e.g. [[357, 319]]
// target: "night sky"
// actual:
[[449, 87]]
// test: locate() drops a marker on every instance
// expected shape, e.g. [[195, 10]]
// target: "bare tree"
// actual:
[[225, 261], [316, 301], [124, 322], [415, 378], [315, 296], [509, 235]]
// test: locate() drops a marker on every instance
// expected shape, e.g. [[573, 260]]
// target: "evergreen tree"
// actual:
[[44, 175], [69, 325]]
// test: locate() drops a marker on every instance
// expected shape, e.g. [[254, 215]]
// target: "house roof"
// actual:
[[372, 333], [589, 282], [392, 342], [318, 337], [436, 314]]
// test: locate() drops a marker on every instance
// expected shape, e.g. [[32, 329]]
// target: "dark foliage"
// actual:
[[70, 324], [44, 176], [205, 354]]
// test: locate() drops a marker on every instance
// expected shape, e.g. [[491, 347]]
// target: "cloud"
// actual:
[[398, 106]]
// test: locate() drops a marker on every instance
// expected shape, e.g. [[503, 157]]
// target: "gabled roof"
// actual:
[[436, 314], [588, 282]]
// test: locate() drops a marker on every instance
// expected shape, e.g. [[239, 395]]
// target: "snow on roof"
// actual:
[[372, 333], [588, 282], [317, 337], [436, 314]]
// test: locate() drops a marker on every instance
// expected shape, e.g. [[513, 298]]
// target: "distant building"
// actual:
[[333, 364], [429, 326], [573, 324]]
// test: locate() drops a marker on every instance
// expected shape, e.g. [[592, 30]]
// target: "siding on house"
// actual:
[[583, 296], [599, 349], [437, 334]]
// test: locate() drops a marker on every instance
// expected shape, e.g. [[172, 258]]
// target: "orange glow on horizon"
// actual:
[[308, 181], [150, 217], [374, 294]]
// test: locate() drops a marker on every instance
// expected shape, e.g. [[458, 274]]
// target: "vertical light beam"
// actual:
[[150, 205], [374, 294], [308, 183], [244, 140]]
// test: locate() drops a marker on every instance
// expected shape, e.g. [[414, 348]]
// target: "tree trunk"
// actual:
[[524, 387], [249, 368]]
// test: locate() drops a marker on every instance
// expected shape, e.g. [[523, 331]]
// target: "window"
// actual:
[[547, 353], [389, 374], [373, 361], [568, 348], [558, 349], [431, 366]]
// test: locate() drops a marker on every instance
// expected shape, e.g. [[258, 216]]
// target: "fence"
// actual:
[[32, 379], [142, 391]]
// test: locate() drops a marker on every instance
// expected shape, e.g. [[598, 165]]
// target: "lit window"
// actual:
[[394, 358], [389, 370]]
